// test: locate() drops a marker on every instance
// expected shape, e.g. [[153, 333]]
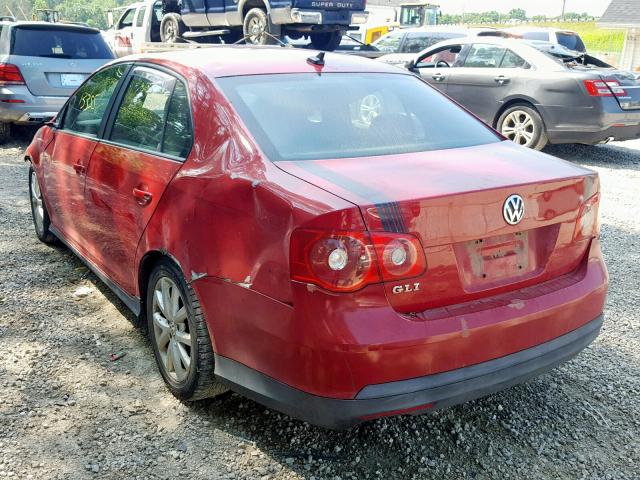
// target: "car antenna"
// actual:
[[317, 60]]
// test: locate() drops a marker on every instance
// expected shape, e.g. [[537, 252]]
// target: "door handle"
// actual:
[[501, 79], [142, 196], [79, 168], [438, 77]]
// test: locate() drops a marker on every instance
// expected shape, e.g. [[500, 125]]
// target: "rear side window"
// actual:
[[511, 60], [340, 115], [178, 130], [142, 113], [59, 43], [542, 36], [140, 17], [87, 106], [571, 41]]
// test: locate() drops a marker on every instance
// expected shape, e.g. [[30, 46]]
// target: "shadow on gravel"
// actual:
[[598, 155]]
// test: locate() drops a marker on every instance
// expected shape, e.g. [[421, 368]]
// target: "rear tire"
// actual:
[[39, 213], [327, 41], [522, 124], [5, 132], [258, 29], [179, 335], [171, 28]]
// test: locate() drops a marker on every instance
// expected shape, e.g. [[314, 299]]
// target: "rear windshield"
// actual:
[[341, 115], [59, 43], [571, 41]]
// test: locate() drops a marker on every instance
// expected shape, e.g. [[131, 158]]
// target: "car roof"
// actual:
[[538, 29], [236, 60], [56, 25], [445, 29]]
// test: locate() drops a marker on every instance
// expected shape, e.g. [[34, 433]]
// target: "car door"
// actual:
[[124, 29], [146, 139], [138, 30], [68, 154], [436, 65], [482, 82]]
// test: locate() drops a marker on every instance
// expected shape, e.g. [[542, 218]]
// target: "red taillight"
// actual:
[[587, 222], [10, 75], [602, 88], [343, 261]]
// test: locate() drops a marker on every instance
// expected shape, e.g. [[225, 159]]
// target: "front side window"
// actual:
[[484, 56], [141, 116], [126, 20], [390, 42], [443, 57], [340, 115], [87, 106]]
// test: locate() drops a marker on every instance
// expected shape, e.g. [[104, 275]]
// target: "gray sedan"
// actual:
[[534, 94], [41, 64]]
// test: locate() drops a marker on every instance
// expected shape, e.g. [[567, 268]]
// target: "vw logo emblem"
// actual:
[[513, 209]]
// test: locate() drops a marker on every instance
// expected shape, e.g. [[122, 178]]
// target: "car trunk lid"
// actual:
[[625, 87], [453, 200]]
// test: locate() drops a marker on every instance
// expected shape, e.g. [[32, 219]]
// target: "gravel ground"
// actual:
[[68, 411]]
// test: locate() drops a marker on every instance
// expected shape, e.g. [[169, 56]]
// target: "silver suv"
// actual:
[[41, 64]]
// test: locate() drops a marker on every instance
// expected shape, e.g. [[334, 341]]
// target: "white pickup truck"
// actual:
[[137, 30]]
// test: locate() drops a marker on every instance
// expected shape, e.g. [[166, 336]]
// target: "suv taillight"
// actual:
[[602, 88], [10, 75], [345, 261]]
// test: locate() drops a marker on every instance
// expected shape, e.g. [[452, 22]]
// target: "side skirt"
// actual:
[[132, 303]]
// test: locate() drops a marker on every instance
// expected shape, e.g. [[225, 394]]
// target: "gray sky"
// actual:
[[533, 7]]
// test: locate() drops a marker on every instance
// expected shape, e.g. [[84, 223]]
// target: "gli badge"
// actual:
[[406, 288]]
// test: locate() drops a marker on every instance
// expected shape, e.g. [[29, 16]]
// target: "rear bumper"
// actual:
[[416, 395], [619, 132], [31, 109]]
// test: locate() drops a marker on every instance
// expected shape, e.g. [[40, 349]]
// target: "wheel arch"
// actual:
[[145, 267], [245, 5], [527, 101]]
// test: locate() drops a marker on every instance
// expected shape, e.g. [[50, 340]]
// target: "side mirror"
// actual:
[[411, 66], [110, 21]]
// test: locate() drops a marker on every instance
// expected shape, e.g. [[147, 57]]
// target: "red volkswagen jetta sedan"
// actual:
[[328, 236]]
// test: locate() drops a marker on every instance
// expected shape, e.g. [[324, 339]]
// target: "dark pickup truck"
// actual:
[[261, 22]]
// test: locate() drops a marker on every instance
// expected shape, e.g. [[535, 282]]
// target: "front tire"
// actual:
[[39, 212], [327, 41], [179, 335], [523, 125], [258, 29], [171, 28]]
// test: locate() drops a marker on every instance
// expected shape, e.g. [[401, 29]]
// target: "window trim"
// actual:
[[117, 101]]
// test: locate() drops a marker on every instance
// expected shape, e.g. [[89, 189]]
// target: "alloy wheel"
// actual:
[[256, 30], [171, 329], [37, 205], [519, 127]]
